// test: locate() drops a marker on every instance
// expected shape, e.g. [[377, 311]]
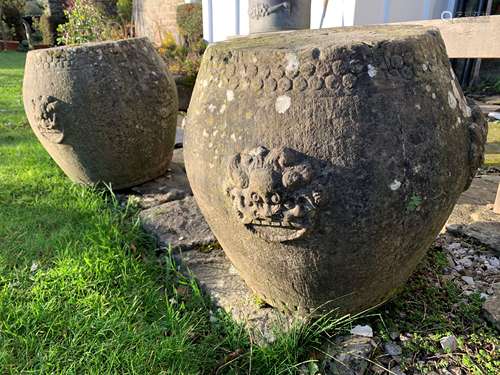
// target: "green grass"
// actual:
[[492, 157], [82, 289], [11, 104]]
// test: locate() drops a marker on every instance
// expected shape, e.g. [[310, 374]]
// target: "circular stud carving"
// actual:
[[308, 69], [277, 72], [270, 84], [349, 80], [284, 84], [316, 83], [300, 84]]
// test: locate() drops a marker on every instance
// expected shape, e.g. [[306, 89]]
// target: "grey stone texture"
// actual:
[[173, 185], [473, 215], [275, 15], [327, 161], [178, 224], [105, 112], [348, 356], [491, 308]]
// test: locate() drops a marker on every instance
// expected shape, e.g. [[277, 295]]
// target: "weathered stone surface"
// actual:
[[473, 215], [349, 356], [491, 308], [326, 160], [270, 15], [486, 231], [179, 224], [105, 112], [173, 185]]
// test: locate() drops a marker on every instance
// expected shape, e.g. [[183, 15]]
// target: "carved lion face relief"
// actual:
[[275, 193], [45, 109]]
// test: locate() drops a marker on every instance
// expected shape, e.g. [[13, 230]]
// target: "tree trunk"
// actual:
[[4, 32], [27, 29]]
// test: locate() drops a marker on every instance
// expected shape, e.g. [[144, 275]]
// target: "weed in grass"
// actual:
[[492, 156]]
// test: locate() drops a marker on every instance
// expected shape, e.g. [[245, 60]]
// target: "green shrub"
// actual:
[[23, 46], [183, 60], [46, 28], [10, 14], [124, 8], [190, 22], [86, 23]]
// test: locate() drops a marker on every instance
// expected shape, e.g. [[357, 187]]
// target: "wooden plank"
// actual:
[[468, 37]]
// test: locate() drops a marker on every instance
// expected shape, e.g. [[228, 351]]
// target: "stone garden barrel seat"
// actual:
[[327, 161], [105, 112]]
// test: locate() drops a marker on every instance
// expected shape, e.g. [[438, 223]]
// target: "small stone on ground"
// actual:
[[449, 343], [349, 356], [365, 331], [392, 349]]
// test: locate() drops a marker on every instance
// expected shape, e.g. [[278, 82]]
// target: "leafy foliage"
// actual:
[[10, 19], [124, 8], [183, 60], [190, 22], [86, 23]]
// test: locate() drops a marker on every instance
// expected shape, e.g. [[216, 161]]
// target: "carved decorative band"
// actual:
[[263, 10]]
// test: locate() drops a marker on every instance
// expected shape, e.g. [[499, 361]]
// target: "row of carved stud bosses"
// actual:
[[66, 58], [281, 80], [74, 64], [321, 68], [285, 84]]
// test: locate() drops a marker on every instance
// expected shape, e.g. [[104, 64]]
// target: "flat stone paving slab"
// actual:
[[473, 215], [178, 224], [171, 186]]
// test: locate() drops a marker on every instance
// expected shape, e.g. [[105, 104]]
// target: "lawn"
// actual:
[[81, 290], [84, 290], [492, 157]]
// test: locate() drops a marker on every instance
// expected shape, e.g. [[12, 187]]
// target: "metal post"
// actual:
[[387, 10], [210, 21], [237, 15], [477, 67]]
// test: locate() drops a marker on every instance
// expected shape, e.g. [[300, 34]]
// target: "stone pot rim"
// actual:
[[302, 37], [89, 45]]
